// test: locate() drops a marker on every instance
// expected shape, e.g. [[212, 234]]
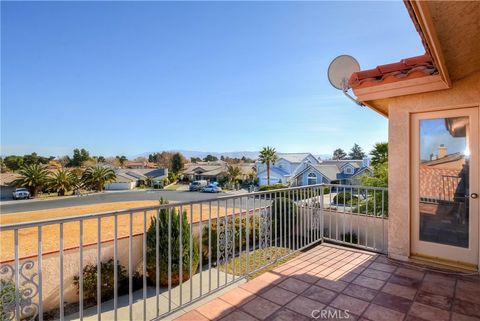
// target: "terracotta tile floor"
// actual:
[[331, 280]]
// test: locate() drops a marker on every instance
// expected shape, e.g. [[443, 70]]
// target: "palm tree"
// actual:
[[33, 177], [233, 173], [62, 181], [268, 156], [98, 176]]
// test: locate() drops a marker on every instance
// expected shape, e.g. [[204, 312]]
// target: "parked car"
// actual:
[[21, 193], [197, 185], [211, 188]]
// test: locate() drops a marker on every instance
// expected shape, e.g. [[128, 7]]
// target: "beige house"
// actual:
[[432, 103], [215, 171]]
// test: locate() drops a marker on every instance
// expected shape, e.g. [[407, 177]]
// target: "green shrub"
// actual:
[[373, 204], [107, 281], [272, 187], [8, 292], [350, 238], [163, 240], [284, 212], [345, 198]]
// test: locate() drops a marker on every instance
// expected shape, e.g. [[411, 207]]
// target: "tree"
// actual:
[[339, 154], [62, 181], [178, 161], [268, 156], [141, 159], [233, 173], [98, 176], [356, 152], [101, 159], [122, 160], [210, 158], [195, 159], [13, 162], [34, 177], [379, 153], [163, 159], [113, 161], [379, 177], [64, 160], [79, 156]]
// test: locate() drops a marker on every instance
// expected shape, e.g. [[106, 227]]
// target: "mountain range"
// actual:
[[234, 154]]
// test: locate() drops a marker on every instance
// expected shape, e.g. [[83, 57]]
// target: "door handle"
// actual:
[[474, 195]]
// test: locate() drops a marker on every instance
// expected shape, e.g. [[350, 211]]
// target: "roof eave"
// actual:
[[401, 88], [420, 15]]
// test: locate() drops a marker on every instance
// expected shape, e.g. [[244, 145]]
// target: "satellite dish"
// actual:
[[339, 72]]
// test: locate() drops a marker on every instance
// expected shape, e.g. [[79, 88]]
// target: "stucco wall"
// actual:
[[464, 93]]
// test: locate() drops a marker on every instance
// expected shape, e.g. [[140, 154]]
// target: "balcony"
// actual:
[[329, 282], [282, 248]]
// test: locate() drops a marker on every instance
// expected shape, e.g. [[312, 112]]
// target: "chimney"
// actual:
[[365, 162], [442, 151]]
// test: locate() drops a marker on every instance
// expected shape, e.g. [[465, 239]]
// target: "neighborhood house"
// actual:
[[215, 171], [300, 169], [131, 178]]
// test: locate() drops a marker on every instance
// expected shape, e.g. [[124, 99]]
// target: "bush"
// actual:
[[107, 281], [172, 177], [349, 238], [283, 206], [231, 229], [272, 187], [8, 292], [373, 205], [175, 247], [345, 198]]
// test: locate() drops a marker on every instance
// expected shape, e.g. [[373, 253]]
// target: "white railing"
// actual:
[[156, 260]]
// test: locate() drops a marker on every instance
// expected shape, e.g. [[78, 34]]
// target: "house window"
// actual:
[[312, 179], [348, 170]]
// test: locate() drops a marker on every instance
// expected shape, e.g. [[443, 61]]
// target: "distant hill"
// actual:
[[235, 154]]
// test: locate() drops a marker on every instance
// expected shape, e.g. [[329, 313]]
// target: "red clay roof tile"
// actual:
[[413, 67]]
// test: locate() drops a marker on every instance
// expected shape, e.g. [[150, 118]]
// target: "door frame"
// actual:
[[456, 256]]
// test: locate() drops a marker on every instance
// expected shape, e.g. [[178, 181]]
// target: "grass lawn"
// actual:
[[258, 258], [173, 187]]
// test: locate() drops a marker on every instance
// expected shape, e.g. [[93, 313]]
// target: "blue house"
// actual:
[[345, 172]]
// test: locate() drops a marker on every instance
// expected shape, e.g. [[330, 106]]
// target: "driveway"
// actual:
[[105, 197]]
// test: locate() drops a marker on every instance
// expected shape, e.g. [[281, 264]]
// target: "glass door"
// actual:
[[445, 186]]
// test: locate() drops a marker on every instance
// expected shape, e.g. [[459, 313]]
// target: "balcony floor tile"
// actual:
[[333, 279]]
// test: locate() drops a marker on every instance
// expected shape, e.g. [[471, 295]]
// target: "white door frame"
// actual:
[[440, 252]]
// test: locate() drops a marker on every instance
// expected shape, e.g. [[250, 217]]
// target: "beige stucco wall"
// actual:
[[464, 93]]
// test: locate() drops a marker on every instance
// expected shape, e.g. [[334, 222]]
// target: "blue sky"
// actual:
[[131, 77]]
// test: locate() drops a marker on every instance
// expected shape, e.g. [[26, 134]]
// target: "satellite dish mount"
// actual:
[[339, 72]]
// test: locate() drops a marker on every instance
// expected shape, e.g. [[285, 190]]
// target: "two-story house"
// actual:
[[285, 168], [333, 172]]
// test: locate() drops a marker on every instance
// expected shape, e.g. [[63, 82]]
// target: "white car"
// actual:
[[21, 193], [211, 189]]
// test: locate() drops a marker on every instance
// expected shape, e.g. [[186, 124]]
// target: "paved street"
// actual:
[[105, 197]]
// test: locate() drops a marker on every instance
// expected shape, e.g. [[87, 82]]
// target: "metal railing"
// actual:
[[146, 263]]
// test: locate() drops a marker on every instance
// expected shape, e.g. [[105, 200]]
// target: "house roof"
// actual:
[[408, 68], [293, 157], [446, 159], [8, 178], [122, 178], [275, 170], [357, 163], [141, 173], [449, 31], [327, 170]]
